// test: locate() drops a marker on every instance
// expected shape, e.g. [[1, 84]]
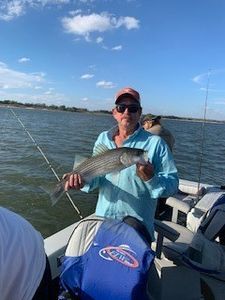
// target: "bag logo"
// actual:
[[122, 254]]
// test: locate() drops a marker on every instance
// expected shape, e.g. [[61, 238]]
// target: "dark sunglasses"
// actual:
[[131, 108]]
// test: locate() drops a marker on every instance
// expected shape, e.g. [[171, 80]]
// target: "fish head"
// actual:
[[141, 156], [133, 156]]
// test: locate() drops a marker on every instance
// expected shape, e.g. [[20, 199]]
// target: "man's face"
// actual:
[[127, 113]]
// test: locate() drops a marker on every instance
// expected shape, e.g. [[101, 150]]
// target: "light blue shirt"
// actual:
[[125, 193]]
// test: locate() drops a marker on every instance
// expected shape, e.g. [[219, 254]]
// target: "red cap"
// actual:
[[129, 92]]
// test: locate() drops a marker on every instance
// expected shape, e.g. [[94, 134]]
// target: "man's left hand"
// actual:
[[145, 172]]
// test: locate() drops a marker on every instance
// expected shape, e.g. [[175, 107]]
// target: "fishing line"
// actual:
[[46, 160], [203, 131]]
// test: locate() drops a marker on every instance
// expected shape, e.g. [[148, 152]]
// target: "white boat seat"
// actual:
[[199, 249], [208, 200], [196, 214], [80, 242], [186, 198], [191, 188]]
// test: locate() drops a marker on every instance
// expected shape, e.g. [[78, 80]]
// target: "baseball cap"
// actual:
[[150, 118], [129, 92]]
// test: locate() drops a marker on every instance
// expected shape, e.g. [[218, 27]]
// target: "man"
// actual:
[[24, 269], [133, 191], [153, 125]]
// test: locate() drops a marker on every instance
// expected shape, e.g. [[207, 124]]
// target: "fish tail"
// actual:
[[57, 193]]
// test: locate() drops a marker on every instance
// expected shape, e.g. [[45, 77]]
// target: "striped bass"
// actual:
[[104, 161]]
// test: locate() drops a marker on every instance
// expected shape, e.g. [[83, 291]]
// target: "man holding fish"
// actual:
[[136, 186]]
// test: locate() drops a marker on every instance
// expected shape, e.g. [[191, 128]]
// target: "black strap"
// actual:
[[139, 227]]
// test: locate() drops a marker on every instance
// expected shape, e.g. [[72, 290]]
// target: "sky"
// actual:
[[79, 53]]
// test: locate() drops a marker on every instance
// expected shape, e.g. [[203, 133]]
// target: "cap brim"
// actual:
[[128, 96]]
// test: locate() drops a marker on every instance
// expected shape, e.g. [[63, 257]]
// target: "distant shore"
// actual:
[[42, 106], [193, 120]]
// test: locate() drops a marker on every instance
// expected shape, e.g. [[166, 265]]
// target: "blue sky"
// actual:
[[80, 52]]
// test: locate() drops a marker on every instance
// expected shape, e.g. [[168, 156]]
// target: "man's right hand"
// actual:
[[73, 181]]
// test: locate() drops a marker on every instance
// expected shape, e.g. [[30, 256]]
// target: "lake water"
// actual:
[[25, 176]]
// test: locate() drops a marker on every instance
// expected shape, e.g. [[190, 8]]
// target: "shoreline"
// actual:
[[194, 120], [103, 112]]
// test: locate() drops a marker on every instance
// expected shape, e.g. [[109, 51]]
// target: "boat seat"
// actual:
[[111, 247], [80, 242], [168, 285], [188, 194], [191, 188], [200, 249], [196, 214]]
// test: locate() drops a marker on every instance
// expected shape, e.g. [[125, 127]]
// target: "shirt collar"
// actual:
[[111, 133]]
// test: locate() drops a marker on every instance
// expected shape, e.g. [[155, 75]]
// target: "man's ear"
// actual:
[[114, 111]]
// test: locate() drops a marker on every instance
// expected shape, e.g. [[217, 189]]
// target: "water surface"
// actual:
[[25, 176]]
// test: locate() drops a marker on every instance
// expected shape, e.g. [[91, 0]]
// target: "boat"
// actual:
[[169, 278]]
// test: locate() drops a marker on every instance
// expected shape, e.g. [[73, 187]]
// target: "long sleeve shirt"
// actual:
[[125, 193]]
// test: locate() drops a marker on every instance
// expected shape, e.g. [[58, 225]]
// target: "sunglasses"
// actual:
[[131, 108]]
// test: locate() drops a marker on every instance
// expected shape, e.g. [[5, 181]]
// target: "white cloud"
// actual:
[[51, 98], [83, 1], [105, 47], [213, 80], [11, 79], [128, 22], [211, 74], [85, 99], [23, 59], [220, 101], [105, 84], [75, 12], [199, 79], [11, 10], [15, 8], [87, 76], [117, 48], [99, 40], [204, 89], [49, 91], [84, 25], [92, 67]]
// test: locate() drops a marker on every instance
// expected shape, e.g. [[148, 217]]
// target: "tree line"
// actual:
[[77, 109], [44, 106]]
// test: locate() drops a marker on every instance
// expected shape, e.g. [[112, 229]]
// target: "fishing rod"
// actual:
[[203, 130], [46, 160]]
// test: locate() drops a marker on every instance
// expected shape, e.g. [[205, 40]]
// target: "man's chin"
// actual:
[[127, 120]]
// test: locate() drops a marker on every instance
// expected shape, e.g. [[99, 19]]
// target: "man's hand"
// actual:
[[145, 172], [73, 181]]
